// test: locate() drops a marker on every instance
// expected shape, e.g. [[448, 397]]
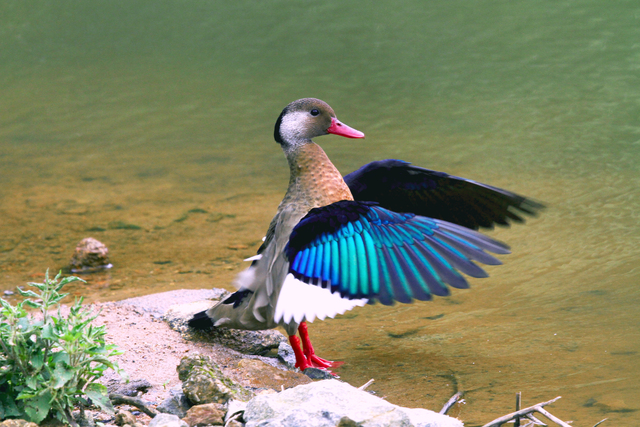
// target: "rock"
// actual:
[[125, 417], [84, 418], [176, 404], [330, 402], [17, 423], [204, 382], [318, 374], [167, 420], [247, 342], [132, 388], [286, 355], [258, 374], [90, 255], [207, 414], [235, 409]]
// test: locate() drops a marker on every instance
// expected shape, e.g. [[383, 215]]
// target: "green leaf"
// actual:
[[99, 395], [38, 407], [32, 304], [37, 360], [62, 375], [27, 293], [32, 382], [6, 305], [8, 407], [49, 332]]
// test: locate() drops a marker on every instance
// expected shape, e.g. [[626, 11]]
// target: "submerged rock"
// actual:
[[330, 403], [91, 255]]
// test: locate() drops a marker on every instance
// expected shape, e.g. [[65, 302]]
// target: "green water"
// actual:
[[160, 115]]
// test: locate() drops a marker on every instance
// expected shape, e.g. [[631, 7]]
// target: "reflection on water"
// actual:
[[149, 128]]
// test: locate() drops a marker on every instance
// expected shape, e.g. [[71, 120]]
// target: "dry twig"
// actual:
[[452, 401], [522, 413], [367, 384]]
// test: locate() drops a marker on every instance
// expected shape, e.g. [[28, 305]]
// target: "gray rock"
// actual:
[[318, 374], [160, 303], [132, 388], [248, 342], [176, 404], [235, 409], [286, 355], [167, 420], [330, 402]]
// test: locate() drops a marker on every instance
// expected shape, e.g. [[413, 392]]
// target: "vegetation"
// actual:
[[50, 363]]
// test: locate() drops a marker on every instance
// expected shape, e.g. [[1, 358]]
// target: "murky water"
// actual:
[[149, 127]]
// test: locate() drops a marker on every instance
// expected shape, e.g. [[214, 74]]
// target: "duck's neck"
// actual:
[[314, 180]]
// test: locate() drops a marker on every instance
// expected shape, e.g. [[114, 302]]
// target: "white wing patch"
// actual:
[[299, 302]]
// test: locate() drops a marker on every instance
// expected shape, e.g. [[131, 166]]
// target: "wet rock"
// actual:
[[330, 402], [125, 417], [207, 414], [132, 388], [176, 404], [17, 423], [167, 420], [318, 374], [90, 255], [258, 374], [204, 382]]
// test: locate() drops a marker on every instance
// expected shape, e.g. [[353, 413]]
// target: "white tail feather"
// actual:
[[300, 302]]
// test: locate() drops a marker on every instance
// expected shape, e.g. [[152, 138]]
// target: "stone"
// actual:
[[286, 355], [318, 374], [90, 255], [17, 423], [204, 382], [207, 414], [167, 420], [258, 374], [328, 403], [176, 404], [125, 417], [132, 388]]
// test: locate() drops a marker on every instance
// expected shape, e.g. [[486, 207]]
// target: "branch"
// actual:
[[118, 399], [452, 401], [518, 414]]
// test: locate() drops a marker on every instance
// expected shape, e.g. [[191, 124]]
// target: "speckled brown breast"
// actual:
[[314, 180]]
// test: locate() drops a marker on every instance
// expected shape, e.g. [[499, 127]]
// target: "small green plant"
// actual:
[[50, 363]]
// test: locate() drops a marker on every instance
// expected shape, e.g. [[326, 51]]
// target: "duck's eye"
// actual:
[[314, 112]]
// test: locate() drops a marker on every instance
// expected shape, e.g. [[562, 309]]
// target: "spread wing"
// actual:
[[361, 250], [401, 187]]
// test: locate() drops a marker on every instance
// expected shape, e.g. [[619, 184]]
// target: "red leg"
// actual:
[[301, 361], [310, 354]]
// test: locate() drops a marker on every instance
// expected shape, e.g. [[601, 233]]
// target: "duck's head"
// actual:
[[307, 118]]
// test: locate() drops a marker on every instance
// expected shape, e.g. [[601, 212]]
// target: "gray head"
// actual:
[[307, 118]]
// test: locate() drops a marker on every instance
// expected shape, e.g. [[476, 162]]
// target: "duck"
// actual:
[[388, 232]]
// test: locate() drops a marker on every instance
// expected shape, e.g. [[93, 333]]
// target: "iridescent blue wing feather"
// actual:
[[402, 187], [362, 250]]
